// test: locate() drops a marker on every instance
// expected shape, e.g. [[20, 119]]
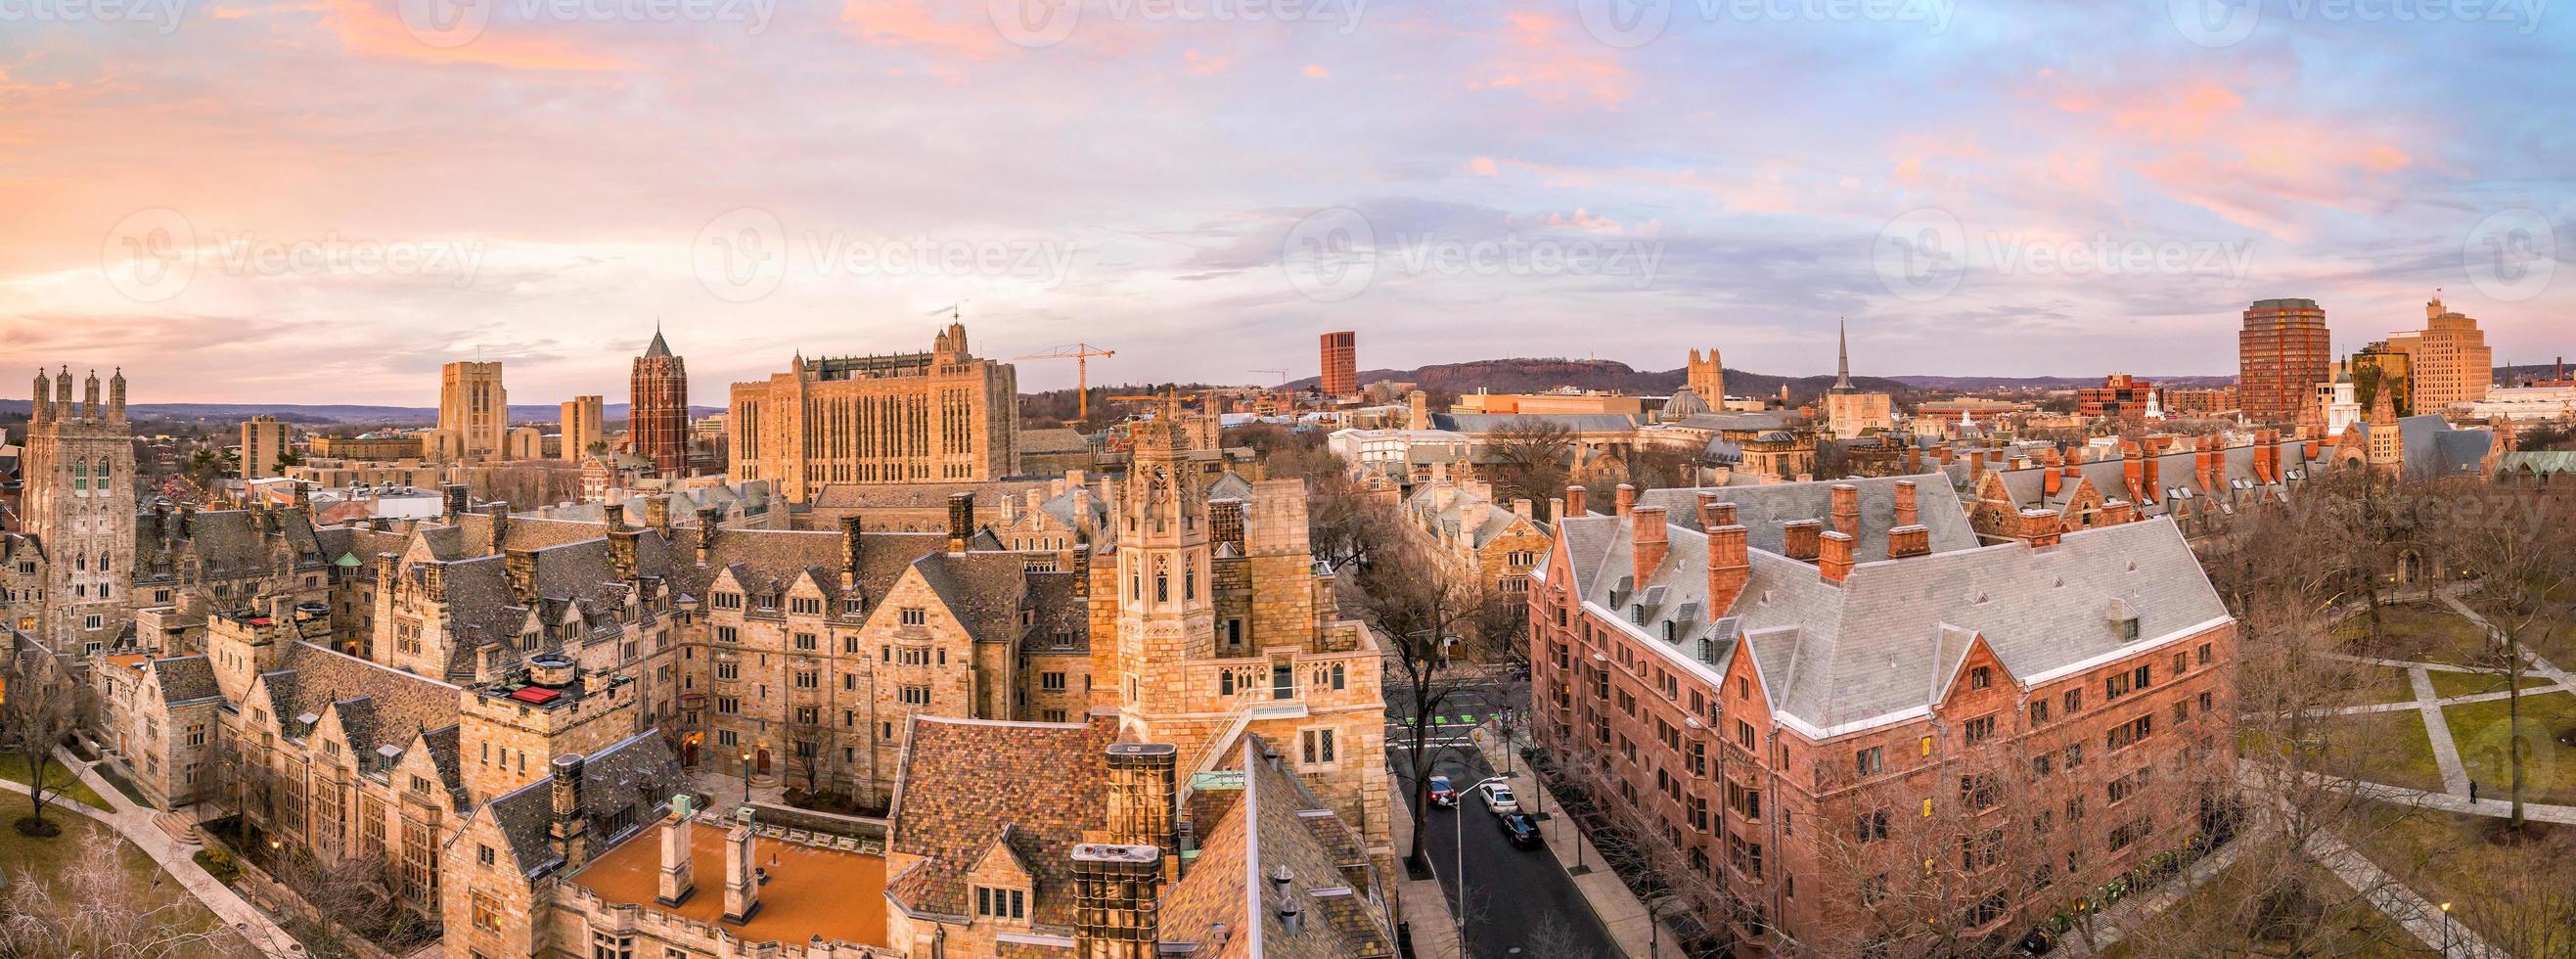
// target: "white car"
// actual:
[[1499, 798]]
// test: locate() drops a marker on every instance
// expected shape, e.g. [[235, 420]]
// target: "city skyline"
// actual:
[[1610, 173]]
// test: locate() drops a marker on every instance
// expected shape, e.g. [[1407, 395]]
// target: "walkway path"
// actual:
[[134, 823], [2431, 926]]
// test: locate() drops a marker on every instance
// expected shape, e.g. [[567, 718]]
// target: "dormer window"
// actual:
[[1004, 904]]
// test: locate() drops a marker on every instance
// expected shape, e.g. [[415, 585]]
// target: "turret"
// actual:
[[91, 408], [41, 410], [116, 397]]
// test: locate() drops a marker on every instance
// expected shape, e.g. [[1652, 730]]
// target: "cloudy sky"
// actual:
[[323, 200]]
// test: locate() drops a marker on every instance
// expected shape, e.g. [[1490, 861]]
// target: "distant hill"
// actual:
[[333, 415], [1529, 375]]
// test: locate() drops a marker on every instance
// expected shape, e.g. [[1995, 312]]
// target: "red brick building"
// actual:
[[2121, 397], [2283, 352], [1870, 735], [1341, 364], [658, 416]]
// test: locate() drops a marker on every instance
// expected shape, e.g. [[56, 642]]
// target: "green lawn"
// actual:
[[2390, 747], [2385, 684], [2447, 685], [2549, 766], [147, 886], [2342, 926], [2496, 890], [14, 769], [2420, 632]]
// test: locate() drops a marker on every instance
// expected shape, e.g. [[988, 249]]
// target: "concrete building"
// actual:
[[473, 406], [584, 426], [943, 416], [1341, 364], [263, 441], [2450, 360], [2282, 352], [658, 413], [1817, 689]]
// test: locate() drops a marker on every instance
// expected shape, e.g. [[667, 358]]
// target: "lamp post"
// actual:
[[746, 777], [1459, 828], [2446, 931]]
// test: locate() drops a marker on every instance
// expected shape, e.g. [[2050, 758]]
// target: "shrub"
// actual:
[[217, 863]]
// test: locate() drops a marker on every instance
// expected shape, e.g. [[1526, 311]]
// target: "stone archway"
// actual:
[[2410, 567]]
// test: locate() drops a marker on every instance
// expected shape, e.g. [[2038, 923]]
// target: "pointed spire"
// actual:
[[659, 350], [1842, 358]]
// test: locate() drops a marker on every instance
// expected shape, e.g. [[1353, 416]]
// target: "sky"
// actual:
[[321, 201]]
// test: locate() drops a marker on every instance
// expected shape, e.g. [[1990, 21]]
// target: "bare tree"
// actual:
[[2503, 539], [347, 896], [1530, 459], [1419, 607], [91, 907], [44, 705]]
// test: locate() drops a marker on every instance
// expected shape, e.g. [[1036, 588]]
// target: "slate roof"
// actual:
[[396, 705], [636, 776], [224, 543], [1490, 422], [1879, 642], [1053, 441], [185, 679], [2538, 463], [962, 785], [984, 590], [1763, 509], [1275, 824]]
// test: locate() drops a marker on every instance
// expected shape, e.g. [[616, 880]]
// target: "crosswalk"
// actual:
[[1442, 730]]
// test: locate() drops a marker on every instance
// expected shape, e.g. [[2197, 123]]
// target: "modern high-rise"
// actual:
[[2449, 357], [584, 425], [472, 405], [263, 439], [658, 414], [1341, 364], [943, 416], [2282, 353]]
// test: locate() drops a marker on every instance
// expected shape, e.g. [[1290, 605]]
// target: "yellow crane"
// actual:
[[1081, 354]]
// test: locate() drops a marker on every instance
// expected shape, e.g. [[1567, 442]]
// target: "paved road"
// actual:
[[1511, 892]]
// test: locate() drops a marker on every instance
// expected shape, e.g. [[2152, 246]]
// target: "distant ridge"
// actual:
[[327, 415], [1519, 375]]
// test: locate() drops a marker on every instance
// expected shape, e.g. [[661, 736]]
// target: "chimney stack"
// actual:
[[961, 520], [621, 553], [852, 542], [1911, 539], [1627, 499], [679, 879], [520, 567], [1799, 538], [616, 516], [1836, 562], [1847, 509], [1730, 561], [569, 833], [709, 522], [1908, 508], [1116, 890], [1649, 541], [742, 878], [1143, 793], [455, 504], [657, 514], [1573, 502]]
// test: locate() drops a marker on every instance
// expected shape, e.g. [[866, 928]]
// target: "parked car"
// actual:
[[1519, 829], [1499, 798], [1442, 793]]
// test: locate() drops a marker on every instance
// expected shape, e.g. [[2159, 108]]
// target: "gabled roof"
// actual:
[[185, 679], [1275, 828], [963, 783], [636, 776]]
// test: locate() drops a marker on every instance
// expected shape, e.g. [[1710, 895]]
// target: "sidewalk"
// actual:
[[134, 824], [1618, 908], [1426, 905]]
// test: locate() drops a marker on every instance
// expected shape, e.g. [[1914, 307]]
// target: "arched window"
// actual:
[[80, 475], [103, 472]]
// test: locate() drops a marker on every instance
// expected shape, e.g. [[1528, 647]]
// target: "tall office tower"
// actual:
[[472, 405], [1341, 364], [2450, 359], [263, 438], [658, 413], [584, 425], [944, 416], [79, 503], [2282, 354]]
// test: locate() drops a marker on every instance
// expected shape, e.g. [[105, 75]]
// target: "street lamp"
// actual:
[[2446, 931], [1459, 839], [746, 777]]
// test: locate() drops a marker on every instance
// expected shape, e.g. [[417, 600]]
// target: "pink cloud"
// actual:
[[1483, 166], [1550, 59], [1317, 71], [377, 29], [914, 24]]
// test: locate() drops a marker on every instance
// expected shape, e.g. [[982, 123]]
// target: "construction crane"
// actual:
[[1081, 355], [1282, 374]]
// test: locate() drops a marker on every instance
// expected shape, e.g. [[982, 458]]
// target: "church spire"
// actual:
[[1842, 358]]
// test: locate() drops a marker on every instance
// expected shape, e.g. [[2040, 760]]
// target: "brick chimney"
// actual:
[[1573, 502], [1627, 500], [1116, 888], [2154, 490], [1911, 539], [454, 502], [520, 566], [621, 553], [2267, 456], [569, 831], [708, 528], [1908, 508], [679, 879], [2118, 511], [1650, 539], [1847, 509], [853, 543], [1799, 538], [1730, 564], [2050, 481], [1836, 562], [1522, 508], [615, 516], [1143, 793], [1976, 466], [657, 514], [742, 879], [961, 520], [2041, 527]]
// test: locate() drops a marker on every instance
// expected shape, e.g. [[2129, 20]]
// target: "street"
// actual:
[[1519, 901]]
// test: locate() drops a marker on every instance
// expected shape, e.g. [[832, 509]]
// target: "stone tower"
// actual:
[[1708, 379], [659, 410], [472, 404], [1166, 609], [79, 503]]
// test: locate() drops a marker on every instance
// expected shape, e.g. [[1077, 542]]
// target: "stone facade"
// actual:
[[584, 426], [1459, 525], [473, 408], [941, 416], [79, 507]]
